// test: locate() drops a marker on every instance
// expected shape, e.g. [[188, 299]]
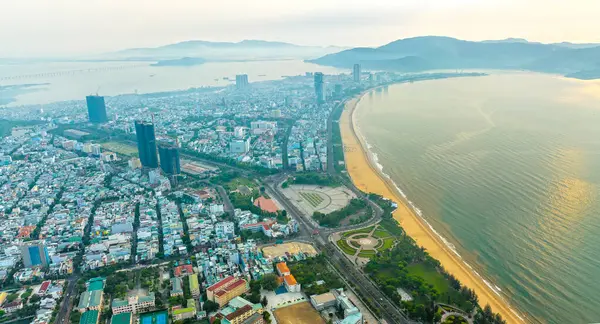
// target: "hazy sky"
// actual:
[[59, 27]]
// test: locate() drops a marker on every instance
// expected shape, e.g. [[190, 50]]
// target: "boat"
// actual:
[[262, 75]]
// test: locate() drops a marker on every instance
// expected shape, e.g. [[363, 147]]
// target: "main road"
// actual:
[[389, 312]]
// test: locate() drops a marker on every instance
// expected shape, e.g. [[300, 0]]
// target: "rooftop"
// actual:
[[282, 267], [290, 280], [123, 318], [89, 317]]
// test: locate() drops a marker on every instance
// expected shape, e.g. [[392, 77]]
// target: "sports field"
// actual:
[[301, 313], [120, 148]]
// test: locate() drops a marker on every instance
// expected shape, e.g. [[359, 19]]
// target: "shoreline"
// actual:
[[367, 175]]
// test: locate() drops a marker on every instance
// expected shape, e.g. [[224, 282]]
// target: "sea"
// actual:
[[506, 168], [62, 81]]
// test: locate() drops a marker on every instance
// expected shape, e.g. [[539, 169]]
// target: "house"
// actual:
[[227, 289], [13, 306]]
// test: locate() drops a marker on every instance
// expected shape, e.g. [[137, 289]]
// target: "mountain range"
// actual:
[[222, 51], [436, 53]]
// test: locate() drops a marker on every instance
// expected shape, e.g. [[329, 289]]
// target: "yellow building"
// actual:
[[227, 289]]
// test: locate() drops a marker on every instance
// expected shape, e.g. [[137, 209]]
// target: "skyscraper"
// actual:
[[34, 254], [169, 158], [319, 91], [96, 109], [241, 81], [146, 142], [356, 73]]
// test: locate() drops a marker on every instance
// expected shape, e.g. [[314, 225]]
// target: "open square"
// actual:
[[312, 198], [301, 313]]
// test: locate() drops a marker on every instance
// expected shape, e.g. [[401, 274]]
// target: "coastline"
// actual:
[[366, 174]]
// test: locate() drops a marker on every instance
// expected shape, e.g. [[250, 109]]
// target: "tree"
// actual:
[[11, 297], [217, 321], [267, 317], [35, 299], [264, 301], [210, 306], [269, 281]]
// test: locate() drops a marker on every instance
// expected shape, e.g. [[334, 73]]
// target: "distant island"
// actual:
[[184, 61], [417, 54]]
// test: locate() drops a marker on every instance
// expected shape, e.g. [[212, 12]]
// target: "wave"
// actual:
[[374, 158]]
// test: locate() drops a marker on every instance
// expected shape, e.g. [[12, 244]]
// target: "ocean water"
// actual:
[[506, 168], [75, 80]]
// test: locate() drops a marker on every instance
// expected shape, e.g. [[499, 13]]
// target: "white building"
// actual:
[[224, 229], [133, 304], [239, 146]]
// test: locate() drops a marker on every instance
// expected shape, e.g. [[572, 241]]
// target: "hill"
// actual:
[[223, 51], [435, 52]]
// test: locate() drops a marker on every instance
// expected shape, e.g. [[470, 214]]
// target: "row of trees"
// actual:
[[314, 178], [410, 267], [333, 219]]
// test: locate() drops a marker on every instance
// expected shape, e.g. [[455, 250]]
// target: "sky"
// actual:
[[34, 28]]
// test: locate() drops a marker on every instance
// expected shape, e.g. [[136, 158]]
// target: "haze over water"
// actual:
[[75, 80], [505, 167]]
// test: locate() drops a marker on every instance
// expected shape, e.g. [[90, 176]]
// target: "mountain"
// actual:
[[435, 52], [224, 51]]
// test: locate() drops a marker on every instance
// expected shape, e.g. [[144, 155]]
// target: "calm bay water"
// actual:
[[506, 167], [75, 80]]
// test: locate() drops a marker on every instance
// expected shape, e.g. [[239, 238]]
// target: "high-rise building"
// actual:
[[34, 254], [241, 81], [96, 109], [356, 73], [337, 93], [169, 159], [319, 88], [146, 142]]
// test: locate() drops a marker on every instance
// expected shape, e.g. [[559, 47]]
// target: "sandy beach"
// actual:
[[368, 178]]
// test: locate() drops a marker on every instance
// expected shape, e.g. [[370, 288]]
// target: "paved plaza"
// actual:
[[311, 198]]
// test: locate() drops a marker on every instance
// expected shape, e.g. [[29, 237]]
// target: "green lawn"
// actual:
[[367, 253], [362, 230], [359, 236], [314, 199], [345, 247], [120, 148], [431, 276], [354, 244], [380, 233], [387, 243]]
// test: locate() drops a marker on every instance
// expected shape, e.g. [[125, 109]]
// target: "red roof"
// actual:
[[44, 286], [222, 290], [239, 312], [221, 283], [186, 268], [265, 204]]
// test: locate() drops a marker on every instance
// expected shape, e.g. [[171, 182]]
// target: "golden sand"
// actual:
[[367, 177]]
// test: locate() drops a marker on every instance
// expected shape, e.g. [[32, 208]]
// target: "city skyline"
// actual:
[[72, 28]]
